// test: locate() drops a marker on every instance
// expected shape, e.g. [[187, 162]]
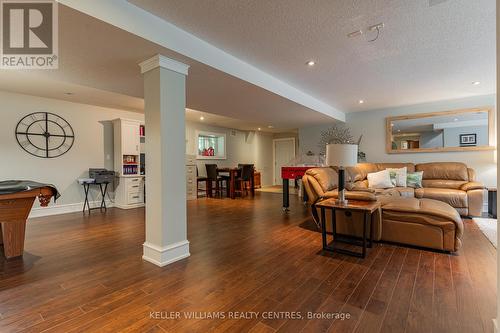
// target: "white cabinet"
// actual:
[[130, 137], [191, 178], [127, 144], [129, 191], [126, 136]]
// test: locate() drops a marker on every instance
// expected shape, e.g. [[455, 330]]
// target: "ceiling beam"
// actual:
[[126, 16]]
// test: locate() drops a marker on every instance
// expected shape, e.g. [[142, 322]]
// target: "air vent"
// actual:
[[436, 2]]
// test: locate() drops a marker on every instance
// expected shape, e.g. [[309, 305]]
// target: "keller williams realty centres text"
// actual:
[[270, 315]]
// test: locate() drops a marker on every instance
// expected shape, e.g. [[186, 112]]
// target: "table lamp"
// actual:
[[341, 156]]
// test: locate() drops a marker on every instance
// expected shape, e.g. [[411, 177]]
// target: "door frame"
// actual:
[[274, 154]]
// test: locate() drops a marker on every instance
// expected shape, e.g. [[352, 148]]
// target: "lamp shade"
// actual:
[[341, 155]]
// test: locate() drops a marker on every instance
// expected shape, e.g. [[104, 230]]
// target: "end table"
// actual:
[[367, 207]]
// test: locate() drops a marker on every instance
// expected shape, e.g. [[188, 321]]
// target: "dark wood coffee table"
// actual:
[[367, 207]]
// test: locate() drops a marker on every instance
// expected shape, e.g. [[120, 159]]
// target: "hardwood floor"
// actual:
[[85, 274]]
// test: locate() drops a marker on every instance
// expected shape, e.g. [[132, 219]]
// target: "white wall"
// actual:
[[93, 147], [240, 148], [309, 138], [371, 124], [93, 142]]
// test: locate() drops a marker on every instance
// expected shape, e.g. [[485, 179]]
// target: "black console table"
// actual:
[[103, 187]]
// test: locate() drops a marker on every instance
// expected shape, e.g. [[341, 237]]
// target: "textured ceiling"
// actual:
[[424, 53], [98, 63]]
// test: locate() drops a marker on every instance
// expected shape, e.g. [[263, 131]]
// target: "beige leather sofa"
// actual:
[[427, 216]]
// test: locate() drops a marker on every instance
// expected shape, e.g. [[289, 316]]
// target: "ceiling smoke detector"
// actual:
[[376, 26], [373, 28]]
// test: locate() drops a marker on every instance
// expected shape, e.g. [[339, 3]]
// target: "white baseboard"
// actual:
[[495, 326], [63, 209], [129, 206], [166, 255]]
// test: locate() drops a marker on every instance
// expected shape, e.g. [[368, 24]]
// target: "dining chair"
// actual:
[[213, 176], [244, 179]]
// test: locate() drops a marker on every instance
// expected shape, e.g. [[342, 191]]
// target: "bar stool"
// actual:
[[244, 178], [212, 176]]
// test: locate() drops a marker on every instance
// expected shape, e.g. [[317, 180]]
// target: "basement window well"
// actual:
[[211, 145]]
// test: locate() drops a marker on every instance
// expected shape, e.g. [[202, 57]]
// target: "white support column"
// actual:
[[165, 102]]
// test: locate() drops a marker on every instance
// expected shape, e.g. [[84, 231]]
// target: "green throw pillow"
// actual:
[[398, 176], [393, 174], [414, 179]]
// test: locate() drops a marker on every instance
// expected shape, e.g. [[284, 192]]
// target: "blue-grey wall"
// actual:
[[431, 139], [371, 124], [452, 135]]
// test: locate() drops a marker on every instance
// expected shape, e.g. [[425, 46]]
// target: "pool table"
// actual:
[[14, 210]]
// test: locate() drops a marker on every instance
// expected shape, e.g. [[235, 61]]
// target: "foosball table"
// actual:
[[291, 173]]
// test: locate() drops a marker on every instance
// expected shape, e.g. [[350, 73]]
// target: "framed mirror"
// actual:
[[456, 130]]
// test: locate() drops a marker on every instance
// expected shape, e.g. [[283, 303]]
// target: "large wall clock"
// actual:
[[45, 134]]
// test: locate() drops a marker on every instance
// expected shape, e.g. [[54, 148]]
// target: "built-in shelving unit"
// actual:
[[128, 145]]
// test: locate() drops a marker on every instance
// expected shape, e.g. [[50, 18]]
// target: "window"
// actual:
[[211, 145]]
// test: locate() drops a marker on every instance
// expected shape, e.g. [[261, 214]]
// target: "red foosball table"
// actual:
[[291, 173]]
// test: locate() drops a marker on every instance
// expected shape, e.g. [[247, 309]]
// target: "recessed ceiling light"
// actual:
[[392, 124], [361, 101], [455, 119], [270, 126], [475, 83], [202, 118], [399, 130], [259, 129], [311, 63]]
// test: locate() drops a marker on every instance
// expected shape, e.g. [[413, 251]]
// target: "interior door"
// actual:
[[284, 152]]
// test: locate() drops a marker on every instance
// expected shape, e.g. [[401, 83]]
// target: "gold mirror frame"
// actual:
[[491, 131]]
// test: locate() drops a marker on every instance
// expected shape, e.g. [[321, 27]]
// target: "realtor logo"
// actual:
[[29, 34]]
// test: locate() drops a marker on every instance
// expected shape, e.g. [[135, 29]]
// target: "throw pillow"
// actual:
[[398, 176], [381, 179], [414, 179]]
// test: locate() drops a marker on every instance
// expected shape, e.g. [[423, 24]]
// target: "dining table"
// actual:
[[233, 174]]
